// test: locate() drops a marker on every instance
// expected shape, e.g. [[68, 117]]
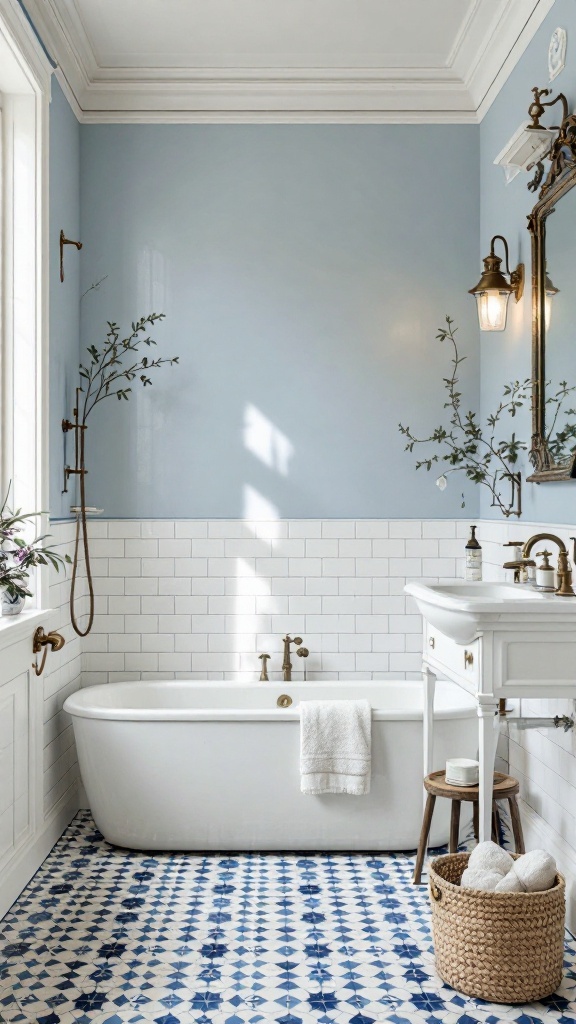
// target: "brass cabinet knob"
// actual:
[[468, 659]]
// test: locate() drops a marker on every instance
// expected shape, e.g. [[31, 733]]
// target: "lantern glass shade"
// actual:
[[492, 308]]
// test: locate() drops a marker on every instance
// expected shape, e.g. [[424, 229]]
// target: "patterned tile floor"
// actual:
[[107, 936]]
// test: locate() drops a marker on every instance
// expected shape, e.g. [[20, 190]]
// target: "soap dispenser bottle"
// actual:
[[473, 571], [545, 573]]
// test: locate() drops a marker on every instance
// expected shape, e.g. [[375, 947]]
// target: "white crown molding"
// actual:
[[211, 116], [495, 61], [481, 59], [26, 49]]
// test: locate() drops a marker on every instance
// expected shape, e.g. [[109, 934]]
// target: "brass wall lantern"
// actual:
[[494, 289]]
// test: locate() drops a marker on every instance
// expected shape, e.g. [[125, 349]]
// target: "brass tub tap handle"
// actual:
[[53, 640], [303, 652], [264, 673]]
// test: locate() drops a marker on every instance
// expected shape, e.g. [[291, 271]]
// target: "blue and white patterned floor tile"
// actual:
[[109, 936]]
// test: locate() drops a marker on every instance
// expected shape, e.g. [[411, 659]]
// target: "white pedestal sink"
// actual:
[[497, 640]]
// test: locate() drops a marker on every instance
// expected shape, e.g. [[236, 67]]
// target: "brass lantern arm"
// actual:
[[492, 276], [492, 253]]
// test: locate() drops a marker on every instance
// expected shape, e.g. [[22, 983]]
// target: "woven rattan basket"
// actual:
[[502, 947]]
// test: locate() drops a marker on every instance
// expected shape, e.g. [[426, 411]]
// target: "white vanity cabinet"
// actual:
[[518, 645]]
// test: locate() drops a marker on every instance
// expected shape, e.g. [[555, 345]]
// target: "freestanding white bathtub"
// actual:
[[215, 766]]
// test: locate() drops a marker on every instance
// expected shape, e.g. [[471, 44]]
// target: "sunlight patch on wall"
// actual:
[[256, 506], [266, 441]]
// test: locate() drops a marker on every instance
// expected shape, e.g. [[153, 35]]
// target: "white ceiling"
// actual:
[[285, 60]]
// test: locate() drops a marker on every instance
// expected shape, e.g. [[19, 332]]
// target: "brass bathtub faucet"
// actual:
[[286, 663], [302, 652]]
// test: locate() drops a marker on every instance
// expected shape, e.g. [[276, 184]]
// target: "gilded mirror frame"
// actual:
[[559, 180]]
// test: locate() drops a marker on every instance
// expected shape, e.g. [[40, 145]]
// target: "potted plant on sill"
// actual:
[[18, 557]]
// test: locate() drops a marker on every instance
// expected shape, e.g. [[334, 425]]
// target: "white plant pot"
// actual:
[[11, 605]]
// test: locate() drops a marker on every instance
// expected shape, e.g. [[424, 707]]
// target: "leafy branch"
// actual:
[[106, 374], [482, 456]]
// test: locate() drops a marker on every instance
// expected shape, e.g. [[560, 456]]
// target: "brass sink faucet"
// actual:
[[564, 571]]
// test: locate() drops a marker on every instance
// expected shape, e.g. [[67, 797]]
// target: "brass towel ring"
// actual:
[[52, 640]]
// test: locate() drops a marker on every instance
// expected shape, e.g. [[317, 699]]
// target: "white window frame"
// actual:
[[25, 76]]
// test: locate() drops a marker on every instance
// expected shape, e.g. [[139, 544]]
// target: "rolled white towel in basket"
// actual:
[[534, 872], [490, 857], [492, 869], [480, 878]]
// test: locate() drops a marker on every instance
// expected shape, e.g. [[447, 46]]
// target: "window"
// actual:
[[24, 95]]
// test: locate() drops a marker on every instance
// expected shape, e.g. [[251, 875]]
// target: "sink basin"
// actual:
[[488, 591], [463, 610]]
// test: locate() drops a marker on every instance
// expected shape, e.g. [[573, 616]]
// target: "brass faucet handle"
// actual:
[[565, 588], [297, 640], [302, 652], [264, 673]]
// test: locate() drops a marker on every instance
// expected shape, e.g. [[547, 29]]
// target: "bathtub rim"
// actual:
[[78, 708]]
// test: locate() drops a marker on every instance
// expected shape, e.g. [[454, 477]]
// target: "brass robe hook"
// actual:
[[65, 241], [45, 640]]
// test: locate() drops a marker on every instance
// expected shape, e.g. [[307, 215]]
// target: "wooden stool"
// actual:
[[505, 788]]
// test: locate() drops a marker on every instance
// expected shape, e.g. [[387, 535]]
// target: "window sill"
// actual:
[[14, 628]]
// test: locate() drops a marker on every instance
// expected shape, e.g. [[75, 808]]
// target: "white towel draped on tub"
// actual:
[[335, 746]]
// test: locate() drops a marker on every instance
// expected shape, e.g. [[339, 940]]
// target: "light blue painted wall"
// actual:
[[64, 297], [504, 209], [303, 271]]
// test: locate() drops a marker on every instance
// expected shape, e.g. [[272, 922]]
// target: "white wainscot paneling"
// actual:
[[38, 767], [15, 768]]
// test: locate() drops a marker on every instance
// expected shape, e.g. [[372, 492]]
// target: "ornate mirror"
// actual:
[[552, 224]]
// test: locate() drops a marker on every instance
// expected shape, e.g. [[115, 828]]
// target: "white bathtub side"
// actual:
[[234, 785], [187, 700]]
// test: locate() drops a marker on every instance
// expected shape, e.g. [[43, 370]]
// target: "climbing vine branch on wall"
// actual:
[[479, 452]]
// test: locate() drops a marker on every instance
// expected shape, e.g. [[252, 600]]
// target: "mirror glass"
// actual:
[[560, 328]]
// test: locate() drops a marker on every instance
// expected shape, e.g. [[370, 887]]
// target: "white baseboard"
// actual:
[[539, 835], [19, 872]]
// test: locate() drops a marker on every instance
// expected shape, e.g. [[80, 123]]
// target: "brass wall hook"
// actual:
[[65, 241], [40, 640]]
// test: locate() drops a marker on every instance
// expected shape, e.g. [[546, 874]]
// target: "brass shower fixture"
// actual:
[[65, 241]]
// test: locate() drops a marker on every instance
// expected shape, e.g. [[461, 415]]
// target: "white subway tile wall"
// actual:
[[202, 599]]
